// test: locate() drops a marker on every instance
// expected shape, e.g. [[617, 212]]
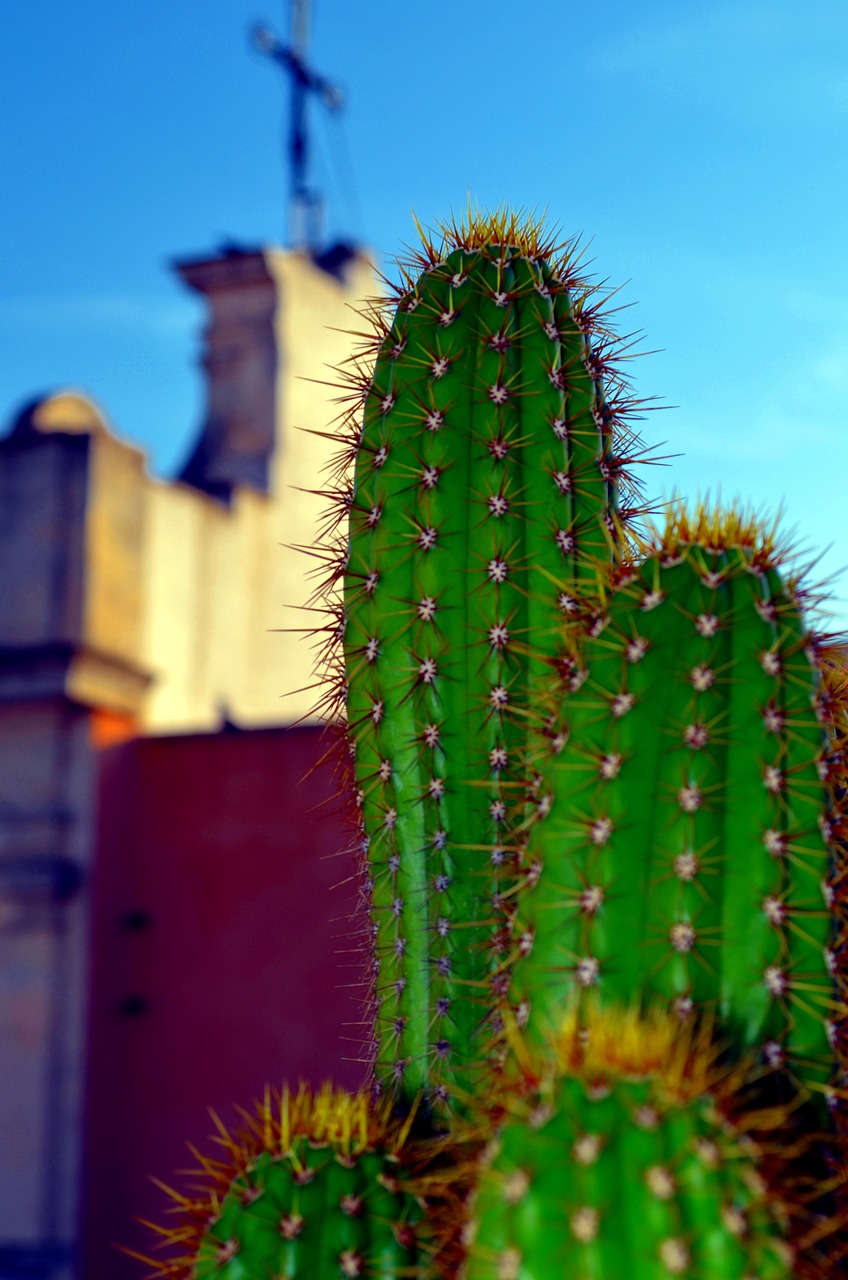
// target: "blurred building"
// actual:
[[169, 936]]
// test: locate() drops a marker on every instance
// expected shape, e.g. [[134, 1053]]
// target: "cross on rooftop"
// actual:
[[305, 204]]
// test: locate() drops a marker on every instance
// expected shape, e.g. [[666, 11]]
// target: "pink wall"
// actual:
[[235, 973]]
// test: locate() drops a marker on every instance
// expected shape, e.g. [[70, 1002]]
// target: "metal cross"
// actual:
[[305, 204]]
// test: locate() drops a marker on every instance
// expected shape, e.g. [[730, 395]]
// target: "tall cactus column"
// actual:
[[487, 475]]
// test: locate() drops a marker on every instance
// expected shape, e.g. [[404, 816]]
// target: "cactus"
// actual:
[[596, 771], [683, 843], [491, 467], [641, 1155], [316, 1185]]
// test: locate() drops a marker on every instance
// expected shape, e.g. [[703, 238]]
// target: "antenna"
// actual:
[[306, 205]]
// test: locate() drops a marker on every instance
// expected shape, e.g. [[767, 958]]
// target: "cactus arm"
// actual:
[[717, 794]]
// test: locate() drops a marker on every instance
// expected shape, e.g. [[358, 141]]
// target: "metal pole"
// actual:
[[299, 197], [304, 204]]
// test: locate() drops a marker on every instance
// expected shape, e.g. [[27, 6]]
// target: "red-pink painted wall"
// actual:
[[223, 955]]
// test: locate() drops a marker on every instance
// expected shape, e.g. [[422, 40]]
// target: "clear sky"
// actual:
[[702, 147]]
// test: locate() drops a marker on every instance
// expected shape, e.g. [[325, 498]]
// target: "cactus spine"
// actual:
[[489, 465], [682, 844]]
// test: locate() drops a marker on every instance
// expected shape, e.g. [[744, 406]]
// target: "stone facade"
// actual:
[[131, 606]]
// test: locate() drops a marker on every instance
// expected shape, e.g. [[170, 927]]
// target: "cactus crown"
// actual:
[[292, 1140], [527, 233], [663, 1142], [497, 236], [635, 1043], [632, 1044]]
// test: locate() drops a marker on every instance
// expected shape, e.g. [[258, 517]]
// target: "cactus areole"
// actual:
[[489, 463]]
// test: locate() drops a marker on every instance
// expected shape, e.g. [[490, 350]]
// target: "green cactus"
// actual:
[[594, 772], [489, 469], [682, 847], [310, 1216], [322, 1185], [635, 1159]]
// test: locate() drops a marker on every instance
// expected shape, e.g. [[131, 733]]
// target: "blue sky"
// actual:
[[701, 148]]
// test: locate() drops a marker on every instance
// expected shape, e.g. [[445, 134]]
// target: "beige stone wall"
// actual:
[[133, 605], [200, 567], [319, 331], [43, 492], [114, 598], [180, 608], [222, 584]]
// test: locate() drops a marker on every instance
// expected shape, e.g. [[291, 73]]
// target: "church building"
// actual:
[[178, 900]]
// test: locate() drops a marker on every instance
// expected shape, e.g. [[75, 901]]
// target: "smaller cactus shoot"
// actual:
[[634, 1158], [683, 845], [316, 1185]]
